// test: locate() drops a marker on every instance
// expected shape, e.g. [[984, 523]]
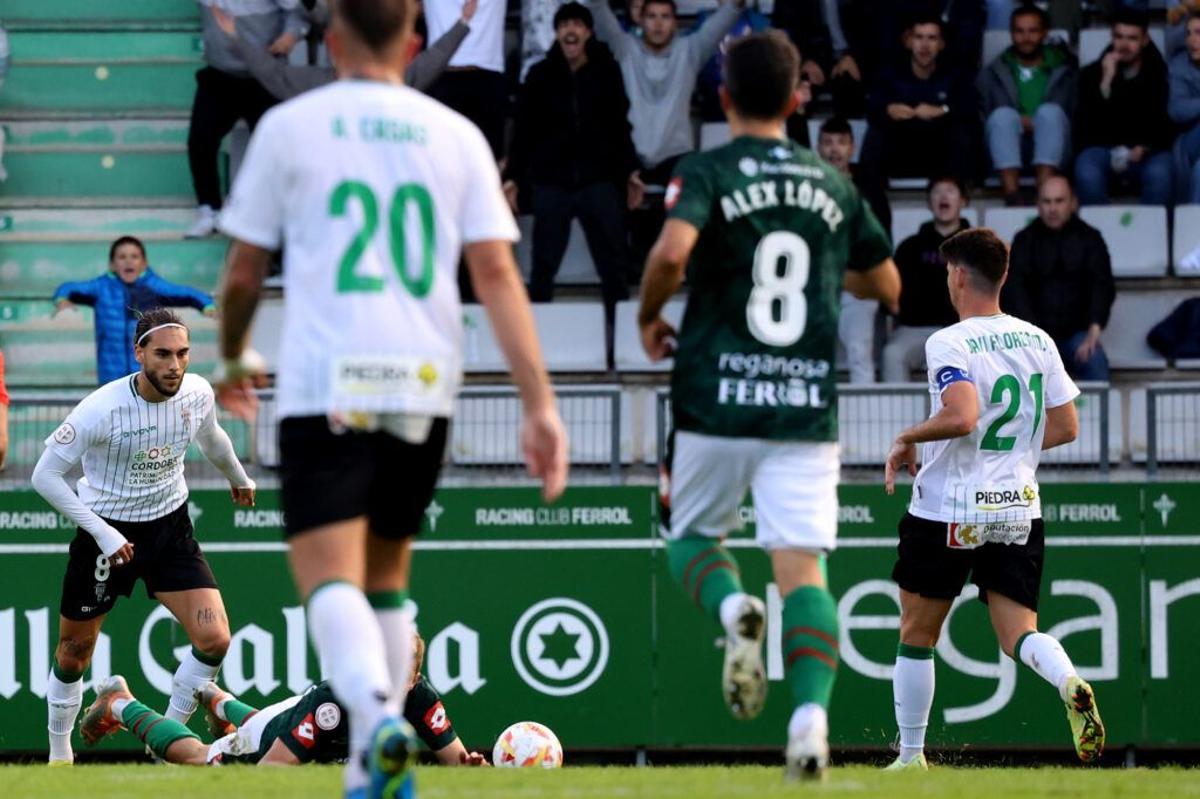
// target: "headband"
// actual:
[[158, 327]]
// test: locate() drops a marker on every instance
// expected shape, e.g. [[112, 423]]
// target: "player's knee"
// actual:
[[214, 643], [74, 654], [919, 632]]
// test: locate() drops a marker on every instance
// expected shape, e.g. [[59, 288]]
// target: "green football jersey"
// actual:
[[778, 227]]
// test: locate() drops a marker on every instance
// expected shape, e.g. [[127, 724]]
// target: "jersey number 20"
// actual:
[[348, 277], [778, 310]]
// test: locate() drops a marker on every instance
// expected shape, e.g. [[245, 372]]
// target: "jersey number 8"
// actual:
[[775, 289], [349, 279]]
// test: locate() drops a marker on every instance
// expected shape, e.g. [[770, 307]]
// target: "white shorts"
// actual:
[[794, 485], [246, 739]]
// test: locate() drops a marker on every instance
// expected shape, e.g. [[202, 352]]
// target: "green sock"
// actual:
[[706, 570], [810, 647], [237, 712], [155, 730]]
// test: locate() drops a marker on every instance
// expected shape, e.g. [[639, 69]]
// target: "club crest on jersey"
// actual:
[[328, 716], [672, 195], [186, 416], [65, 433], [749, 167]]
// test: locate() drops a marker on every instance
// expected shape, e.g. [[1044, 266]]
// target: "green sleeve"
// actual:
[[423, 709], [870, 244], [690, 193]]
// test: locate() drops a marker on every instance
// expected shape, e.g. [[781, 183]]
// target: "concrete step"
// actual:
[[38, 89], [33, 47], [145, 132], [58, 224], [96, 171], [79, 12]]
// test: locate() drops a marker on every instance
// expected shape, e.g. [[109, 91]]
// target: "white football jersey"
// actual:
[[990, 474], [133, 450], [371, 189]]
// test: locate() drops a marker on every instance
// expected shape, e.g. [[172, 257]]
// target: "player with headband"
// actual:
[[132, 512]]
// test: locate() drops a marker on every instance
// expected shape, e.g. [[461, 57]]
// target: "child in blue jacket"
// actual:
[[129, 286]]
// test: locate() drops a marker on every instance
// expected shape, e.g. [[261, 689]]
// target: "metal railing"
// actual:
[[870, 416], [603, 423], [484, 439], [1172, 427]]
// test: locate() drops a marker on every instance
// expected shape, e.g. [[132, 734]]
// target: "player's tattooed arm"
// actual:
[[207, 615]]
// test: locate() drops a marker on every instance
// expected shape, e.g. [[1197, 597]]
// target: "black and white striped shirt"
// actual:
[[133, 450]]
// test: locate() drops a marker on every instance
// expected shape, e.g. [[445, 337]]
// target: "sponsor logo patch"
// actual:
[[673, 190], [304, 732], [436, 719]]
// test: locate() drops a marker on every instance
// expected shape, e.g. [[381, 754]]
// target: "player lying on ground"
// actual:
[[1000, 396], [309, 728], [768, 234]]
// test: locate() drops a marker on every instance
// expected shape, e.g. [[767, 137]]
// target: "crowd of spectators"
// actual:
[[597, 105]]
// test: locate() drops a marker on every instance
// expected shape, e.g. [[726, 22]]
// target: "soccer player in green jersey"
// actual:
[[766, 232]]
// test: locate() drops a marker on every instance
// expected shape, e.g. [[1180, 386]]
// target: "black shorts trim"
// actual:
[[166, 557], [328, 477], [927, 566]]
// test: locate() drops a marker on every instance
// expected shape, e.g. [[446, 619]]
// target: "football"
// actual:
[[527, 744]]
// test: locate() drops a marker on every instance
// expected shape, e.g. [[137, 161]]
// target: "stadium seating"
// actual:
[[1186, 237], [906, 221], [1133, 314], [1007, 221], [628, 355], [572, 336], [1136, 236]]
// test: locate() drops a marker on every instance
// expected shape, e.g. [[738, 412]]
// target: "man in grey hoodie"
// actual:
[[226, 92], [284, 81], [660, 70], [1028, 96]]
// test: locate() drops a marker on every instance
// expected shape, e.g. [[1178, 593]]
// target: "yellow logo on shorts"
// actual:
[[427, 374]]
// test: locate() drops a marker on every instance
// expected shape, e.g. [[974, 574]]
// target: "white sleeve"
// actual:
[[947, 362], [254, 211], [73, 437], [1060, 388], [484, 215], [218, 448], [48, 481]]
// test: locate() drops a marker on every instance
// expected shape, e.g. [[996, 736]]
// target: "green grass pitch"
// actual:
[[173, 782]]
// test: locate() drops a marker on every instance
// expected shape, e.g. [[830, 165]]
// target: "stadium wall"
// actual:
[[566, 614]]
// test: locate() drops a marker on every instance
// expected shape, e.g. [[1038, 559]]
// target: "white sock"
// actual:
[[119, 705], [397, 627], [805, 716], [191, 676], [351, 646], [63, 700], [731, 608], [912, 692], [1046, 656]]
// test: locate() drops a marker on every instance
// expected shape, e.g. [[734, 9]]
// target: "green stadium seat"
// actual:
[[76, 12]]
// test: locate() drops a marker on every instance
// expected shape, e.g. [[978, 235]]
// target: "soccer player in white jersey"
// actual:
[[1000, 397], [132, 512], [373, 191]]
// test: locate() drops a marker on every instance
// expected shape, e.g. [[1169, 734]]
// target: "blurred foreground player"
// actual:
[[373, 191]]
